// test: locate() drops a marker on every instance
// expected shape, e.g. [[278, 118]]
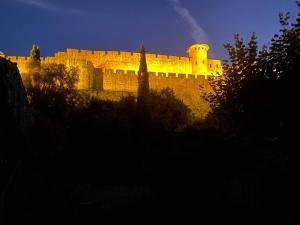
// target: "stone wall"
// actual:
[[127, 61], [189, 88], [117, 71], [121, 80], [122, 60]]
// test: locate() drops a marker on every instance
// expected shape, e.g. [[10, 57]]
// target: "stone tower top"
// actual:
[[198, 55], [199, 46]]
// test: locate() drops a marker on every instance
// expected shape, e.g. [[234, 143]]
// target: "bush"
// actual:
[[168, 110]]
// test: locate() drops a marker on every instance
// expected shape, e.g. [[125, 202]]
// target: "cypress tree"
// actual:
[[34, 62], [35, 54], [143, 85]]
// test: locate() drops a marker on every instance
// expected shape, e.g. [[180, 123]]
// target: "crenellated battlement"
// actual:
[[121, 80], [156, 74], [122, 54], [17, 58], [196, 63], [126, 63], [118, 70]]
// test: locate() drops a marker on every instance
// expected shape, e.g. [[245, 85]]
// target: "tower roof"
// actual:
[[198, 45]]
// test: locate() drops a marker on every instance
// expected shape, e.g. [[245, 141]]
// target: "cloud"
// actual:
[[42, 4], [197, 32]]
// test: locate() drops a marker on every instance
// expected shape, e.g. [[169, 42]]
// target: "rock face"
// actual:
[[13, 120], [13, 116], [13, 113], [13, 98]]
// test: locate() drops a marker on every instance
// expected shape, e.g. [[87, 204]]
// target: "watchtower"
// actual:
[[198, 55]]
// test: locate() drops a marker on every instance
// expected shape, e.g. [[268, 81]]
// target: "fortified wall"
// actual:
[[117, 71]]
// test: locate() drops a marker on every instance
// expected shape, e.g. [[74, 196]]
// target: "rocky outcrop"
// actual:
[[13, 98], [14, 120]]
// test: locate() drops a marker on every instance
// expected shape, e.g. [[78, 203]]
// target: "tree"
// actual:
[[34, 62], [35, 54], [143, 86], [232, 92], [283, 67], [259, 91], [168, 111], [52, 90]]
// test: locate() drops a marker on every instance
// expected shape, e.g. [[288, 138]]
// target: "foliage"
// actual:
[[53, 90], [168, 110], [143, 85], [114, 96], [259, 90], [34, 62], [233, 95], [35, 54]]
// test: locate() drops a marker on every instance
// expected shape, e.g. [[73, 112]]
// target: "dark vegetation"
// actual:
[[145, 161]]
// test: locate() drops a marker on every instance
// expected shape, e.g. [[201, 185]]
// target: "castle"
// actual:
[[117, 71]]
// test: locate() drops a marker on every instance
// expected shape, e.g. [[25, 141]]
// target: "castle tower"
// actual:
[[198, 55], [86, 75]]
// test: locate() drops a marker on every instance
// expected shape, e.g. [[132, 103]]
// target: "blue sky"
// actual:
[[165, 26]]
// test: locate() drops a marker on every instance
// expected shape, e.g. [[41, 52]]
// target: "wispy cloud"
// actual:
[[45, 5], [197, 32]]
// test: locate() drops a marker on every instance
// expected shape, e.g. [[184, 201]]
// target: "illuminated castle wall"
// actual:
[[117, 71], [197, 63]]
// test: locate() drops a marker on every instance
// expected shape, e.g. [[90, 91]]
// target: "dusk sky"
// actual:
[[165, 26]]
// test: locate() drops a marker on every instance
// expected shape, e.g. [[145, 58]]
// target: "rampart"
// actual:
[[117, 71], [123, 60], [129, 61]]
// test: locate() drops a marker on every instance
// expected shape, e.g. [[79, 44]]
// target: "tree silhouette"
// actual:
[[34, 62], [167, 110], [35, 53], [259, 91], [143, 85], [232, 92], [52, 90]]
